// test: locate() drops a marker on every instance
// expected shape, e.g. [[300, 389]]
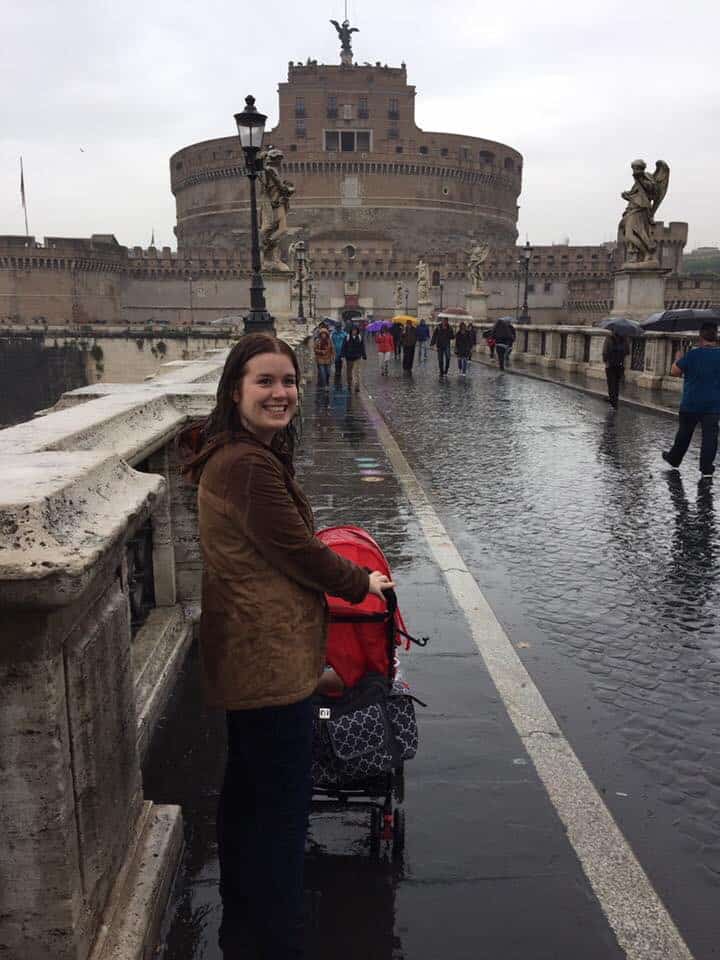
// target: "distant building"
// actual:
[[374, 193]]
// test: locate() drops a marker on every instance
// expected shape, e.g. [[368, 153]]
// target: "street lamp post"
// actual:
[[442, 287], [407, 294], [524, 261], [300, 276], [251, 127]]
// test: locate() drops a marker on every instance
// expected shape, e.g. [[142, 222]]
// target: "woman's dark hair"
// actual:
[[225, 418]]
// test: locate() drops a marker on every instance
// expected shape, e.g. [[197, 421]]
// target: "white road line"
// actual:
[[642, 925]]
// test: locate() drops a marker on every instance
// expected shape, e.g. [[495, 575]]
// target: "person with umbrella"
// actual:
[[700, 402], [463, 347], [615, 349], [397, 332]]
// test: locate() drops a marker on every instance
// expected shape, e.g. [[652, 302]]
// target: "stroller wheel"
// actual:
[[398, 785], [398, 832]]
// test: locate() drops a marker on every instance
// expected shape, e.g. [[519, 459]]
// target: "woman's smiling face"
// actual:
[[267, 395]]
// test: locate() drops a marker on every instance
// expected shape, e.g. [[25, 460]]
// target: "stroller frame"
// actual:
[[387, 821]]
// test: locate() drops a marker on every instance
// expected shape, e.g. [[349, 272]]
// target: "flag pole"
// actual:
[[22, 197]]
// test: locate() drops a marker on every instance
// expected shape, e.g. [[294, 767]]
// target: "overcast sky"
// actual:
[[98, 95]]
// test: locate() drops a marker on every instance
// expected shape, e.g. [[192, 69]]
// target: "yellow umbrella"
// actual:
[[403, 318]]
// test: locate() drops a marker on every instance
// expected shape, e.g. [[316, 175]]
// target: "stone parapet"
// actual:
[[99, 590]]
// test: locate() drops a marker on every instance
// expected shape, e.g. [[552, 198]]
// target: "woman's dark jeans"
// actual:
[[323, 374], [614, 376], [262, 822], [708, 445]]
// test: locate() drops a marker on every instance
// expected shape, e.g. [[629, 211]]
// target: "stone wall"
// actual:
[[99, 590]]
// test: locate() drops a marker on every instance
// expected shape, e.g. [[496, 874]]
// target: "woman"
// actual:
[[463, 347], [324, 356], [262, 636], [385, 347], [353, 352]]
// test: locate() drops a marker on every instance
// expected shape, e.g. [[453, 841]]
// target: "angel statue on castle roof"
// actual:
[[345, 33]]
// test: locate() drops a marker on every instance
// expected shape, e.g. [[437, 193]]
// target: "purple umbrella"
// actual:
[[376, 326]]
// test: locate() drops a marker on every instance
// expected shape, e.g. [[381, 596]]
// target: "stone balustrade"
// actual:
[[579, 350], [99, 589]]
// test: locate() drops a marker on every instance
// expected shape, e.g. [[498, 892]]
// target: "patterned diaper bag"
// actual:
[[367, 732]]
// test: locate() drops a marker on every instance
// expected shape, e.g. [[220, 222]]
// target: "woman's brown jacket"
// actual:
[[264, 617]]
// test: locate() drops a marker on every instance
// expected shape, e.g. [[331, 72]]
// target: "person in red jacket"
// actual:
[[385, 347]]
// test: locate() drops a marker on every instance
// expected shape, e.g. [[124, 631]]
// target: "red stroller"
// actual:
[[364, 734]]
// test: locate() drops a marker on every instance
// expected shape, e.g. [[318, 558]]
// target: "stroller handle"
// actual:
[[390, 600]]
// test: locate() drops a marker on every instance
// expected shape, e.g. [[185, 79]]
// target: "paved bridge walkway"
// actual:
[[603, 574]]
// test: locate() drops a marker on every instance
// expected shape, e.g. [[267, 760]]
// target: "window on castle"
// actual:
[[299, 106], [300, 130], [331, 141], [548, 288], [443, 151], [332, 107], [531, 288], [436, 278], [363, 140], [423, 150], [486, 156], [509, 163], [363, 108], [347, 141], [393, 108], [393, 133], [398, 149]]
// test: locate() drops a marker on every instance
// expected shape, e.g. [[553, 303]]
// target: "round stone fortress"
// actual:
[[361, 167]]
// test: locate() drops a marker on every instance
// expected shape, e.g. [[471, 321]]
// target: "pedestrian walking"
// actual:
[[423, 337], [409, 340], [700, 404], [338, 337], [324, 356], [463, 348], [490, 340], [503, 333], [615, 349], [262, 636], [385, 347], [397, 332], [443, 335], [353, 353]]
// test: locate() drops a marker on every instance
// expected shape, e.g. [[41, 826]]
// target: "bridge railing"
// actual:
[[99, 590], [579, 350]]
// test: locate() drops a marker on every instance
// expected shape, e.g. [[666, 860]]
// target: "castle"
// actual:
[[373, 194]]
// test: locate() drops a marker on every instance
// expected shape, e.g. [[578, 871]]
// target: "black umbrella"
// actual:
[[622, 326], [675, 321]]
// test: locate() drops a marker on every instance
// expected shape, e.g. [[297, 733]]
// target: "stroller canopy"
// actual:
[[363, 643]]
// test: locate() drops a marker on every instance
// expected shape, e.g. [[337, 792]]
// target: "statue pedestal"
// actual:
[[476, 305], [424, 309], [639, 290], [278, 290]]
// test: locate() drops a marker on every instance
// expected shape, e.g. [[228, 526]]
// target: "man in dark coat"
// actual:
[[503, 333], [409, 339], [442, 337], [615, 349], [397, 332]]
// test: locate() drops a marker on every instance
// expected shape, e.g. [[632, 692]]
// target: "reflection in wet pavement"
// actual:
[[604, 572]]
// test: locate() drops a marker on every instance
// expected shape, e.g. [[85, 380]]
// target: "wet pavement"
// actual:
[[604, 573]]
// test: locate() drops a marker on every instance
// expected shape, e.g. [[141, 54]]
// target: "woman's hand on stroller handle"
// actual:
[[378, 583]]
